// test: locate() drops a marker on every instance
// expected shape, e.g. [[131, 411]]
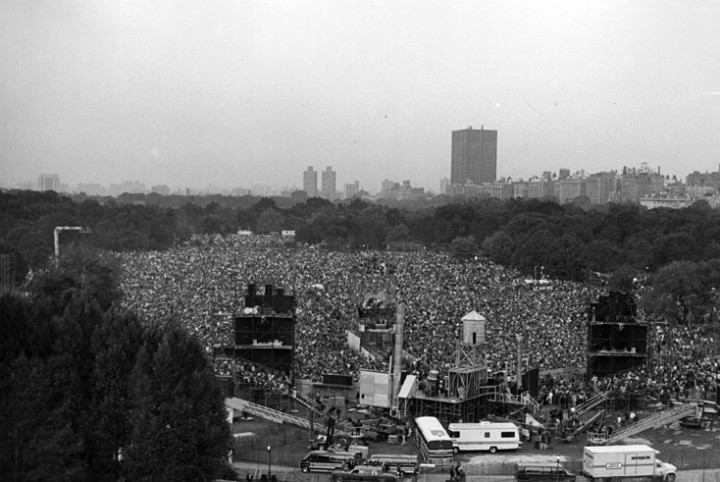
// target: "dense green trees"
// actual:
[[177, 414], [565, 241], [463, 248], [28, 218], [82, 383]]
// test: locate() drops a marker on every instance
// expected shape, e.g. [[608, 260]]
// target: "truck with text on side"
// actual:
[[624, 463]]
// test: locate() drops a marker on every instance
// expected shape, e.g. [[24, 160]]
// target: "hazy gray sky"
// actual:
[[236, 93]]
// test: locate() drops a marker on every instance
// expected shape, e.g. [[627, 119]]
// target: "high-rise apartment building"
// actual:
[[310, 182], [387, 185], [352, 190], [444, 183], [599, 186], [328, 184], [473, 156], [570, 188], [49, 182]]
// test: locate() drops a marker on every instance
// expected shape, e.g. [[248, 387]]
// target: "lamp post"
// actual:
[[269, 469], [557, 469]]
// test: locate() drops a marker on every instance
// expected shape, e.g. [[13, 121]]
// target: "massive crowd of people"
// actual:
[[199, 283]]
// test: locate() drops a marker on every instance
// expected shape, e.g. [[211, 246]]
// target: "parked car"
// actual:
[[542, 472]]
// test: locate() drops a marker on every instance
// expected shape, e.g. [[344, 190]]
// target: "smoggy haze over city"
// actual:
[[234, 93]]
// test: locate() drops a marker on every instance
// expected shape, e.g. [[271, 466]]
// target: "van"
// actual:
[[327, 461], [395, 463], [542, 472]]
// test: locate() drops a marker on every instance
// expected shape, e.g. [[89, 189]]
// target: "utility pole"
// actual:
[[397, 357], [519, 339]]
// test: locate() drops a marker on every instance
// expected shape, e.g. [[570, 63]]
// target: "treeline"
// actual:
[[564, 241], [88, 393]]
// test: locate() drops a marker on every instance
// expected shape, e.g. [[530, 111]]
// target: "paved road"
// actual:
[[284, 473]]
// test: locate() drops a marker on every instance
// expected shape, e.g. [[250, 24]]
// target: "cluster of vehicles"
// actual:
[[624, 463], [616, 463], [350, 467], [602, 464]]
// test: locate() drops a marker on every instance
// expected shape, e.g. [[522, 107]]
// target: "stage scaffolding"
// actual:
[[489, 401]]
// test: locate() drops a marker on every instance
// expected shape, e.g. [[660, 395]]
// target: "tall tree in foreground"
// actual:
[[179, 423], [115, 345]]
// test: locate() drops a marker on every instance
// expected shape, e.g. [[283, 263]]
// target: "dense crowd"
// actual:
[[685, 365], [199, 283]]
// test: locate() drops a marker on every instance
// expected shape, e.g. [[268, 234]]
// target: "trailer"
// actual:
[[625, 462], [491, 436]]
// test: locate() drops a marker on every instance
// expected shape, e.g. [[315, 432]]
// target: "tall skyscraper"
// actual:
[[328, 183], [474, 156], [310, 182]]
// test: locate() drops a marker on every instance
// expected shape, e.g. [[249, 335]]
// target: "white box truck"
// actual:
[[624, 462]]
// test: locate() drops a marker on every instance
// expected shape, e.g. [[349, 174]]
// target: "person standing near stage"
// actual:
[[405, 433]]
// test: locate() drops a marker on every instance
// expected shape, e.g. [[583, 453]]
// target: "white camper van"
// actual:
[[488, 436]]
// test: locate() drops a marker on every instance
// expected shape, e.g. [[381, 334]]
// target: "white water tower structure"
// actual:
[[469, 375]]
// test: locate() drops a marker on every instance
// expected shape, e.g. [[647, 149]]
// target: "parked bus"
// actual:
[[435, 444], [484, 436]]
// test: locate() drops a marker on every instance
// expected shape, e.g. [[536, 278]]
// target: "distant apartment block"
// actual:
[[352, 190], [701, 184], [130, 187], [310, 182], [163, 189], [261, 190], [598, 187], [444, 184], [473, 156], [241, 191], [329, 184], [498, 190], [539, 189], [90, 188], [569, 188], [49, 182], [401, 191], [387, 185], [635, 184]]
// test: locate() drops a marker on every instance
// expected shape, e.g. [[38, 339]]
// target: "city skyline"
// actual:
[[251, 93], [52, 181]]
